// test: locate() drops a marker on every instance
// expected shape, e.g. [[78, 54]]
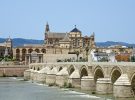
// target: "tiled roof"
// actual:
[[66, 38], [55, 35], [76, 30]]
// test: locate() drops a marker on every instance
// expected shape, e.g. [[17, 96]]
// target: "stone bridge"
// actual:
[[100, 77]]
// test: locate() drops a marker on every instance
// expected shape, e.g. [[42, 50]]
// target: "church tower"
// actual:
[[47, 27], [8, 50], [47, 30], [92, 40]]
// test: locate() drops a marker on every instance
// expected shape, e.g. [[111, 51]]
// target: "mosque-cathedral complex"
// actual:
[[62, 47], [56, 43], [74, 59]]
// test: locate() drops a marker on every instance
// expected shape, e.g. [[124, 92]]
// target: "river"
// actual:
[[16, 89]]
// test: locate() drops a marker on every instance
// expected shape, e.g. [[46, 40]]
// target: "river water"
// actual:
[[16, 89]]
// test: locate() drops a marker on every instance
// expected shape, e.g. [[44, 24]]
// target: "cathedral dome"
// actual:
[[75, 30]]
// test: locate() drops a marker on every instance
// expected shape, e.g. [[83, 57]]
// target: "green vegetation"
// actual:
[[51, 84], [93, 92], [104, 59], [1, 58], [67, 85], [7, 58]]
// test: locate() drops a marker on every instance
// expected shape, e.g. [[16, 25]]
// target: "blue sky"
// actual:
[[111, 20]]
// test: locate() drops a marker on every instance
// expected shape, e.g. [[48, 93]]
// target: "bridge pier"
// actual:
[[35, 74], [51, 76], [32, 75], [27, 74], [62, 77], [104, 86], [50, 79], [74, 79], [122, 87], [88, 83], [41, 76]]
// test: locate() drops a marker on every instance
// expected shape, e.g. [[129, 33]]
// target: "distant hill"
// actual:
[[109, 43], [21, 42], [2, 40]]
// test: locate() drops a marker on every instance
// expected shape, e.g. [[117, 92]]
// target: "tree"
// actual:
[[77, 54], [87, 51]]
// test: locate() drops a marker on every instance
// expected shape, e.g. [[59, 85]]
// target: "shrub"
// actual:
[[93, 93], [65, 85], [69, 85], [14, 75], [51, 84], [4, 75]]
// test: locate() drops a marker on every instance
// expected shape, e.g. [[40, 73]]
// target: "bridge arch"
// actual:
[[133, 82], [38, 69], [34, 68], [115, 74], [83, 71], [71, 69], [60, 68], [98, 73], [51, 67]]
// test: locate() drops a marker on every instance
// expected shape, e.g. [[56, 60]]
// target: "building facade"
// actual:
[[72, 39], [6, 48], [56, 43]]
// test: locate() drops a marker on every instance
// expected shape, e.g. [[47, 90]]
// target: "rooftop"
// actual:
[[75, 30]]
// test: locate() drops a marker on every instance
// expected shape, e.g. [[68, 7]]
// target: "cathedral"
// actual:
[[55, 43], [72, 39]]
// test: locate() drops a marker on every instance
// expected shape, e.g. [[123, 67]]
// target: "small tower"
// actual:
[[92, 40], [8, 49], [9, 42], [47, 28]]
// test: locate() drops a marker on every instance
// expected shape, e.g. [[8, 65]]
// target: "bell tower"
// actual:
[[47, 27], [47, 30]]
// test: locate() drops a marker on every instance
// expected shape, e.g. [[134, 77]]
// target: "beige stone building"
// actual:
[[72, 39], [55, 43], [6, 48]]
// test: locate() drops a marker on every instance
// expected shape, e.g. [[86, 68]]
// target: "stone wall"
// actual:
[[12, 70]]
